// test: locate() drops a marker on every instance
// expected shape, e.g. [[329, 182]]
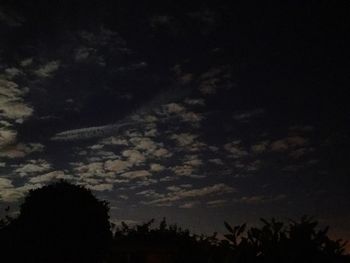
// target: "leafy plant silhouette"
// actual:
[[60, 222], [275, 241]]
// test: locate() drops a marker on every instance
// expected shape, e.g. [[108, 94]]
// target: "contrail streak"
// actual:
[[107, 130], [91, 132]]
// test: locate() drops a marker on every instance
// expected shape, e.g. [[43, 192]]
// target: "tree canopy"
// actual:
[[60, 222]]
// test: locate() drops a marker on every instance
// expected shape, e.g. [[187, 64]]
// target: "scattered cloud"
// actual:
[[11, 101], [259, 199], [216, 203], [173, 196], [20, 150], [189, 204], [155, 167], [47, 70], [184, 139], [285, 144], [33, 167], [100, 187], [244, 116], [136, 174], [49, 177], [236, 149], [260, 147]]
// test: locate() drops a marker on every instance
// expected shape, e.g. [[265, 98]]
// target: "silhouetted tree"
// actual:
[[60, 222]]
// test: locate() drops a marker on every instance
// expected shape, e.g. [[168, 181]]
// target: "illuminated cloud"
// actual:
[[134, 157], [100, 187], [260, 147], [244, 116], [117, 166], [259, 199], [20, 150], [11, 101], [49, 177], [155, 167], [236, 149], [33, 167], [9, 193], [285, 144], [189, 204], [139, 174], [47, 70], [216, 161], [217, 189], [183, 170], [7, 137], [216, 203], [184, 139]]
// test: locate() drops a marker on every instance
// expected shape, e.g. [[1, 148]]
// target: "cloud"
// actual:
[[10, 193], [136, 174], [173, 188], [45, 178], [173, 108], [192, 193], [183, 170], [47, 70], [168, 178], [134, 157], [91, 169], [7, 137], [155, 167], [33, 166], [279, 146], [12, 72], [244, 116], [259, 199], [184, 139], [20, 150], [5, 183], [11, 101], [217, 203], [198, 101], [10, 18], [195, 162], [214, 79], [285, 144], [150, 193], [26, 62], [100, 187], [114, 141], [236, 149], [260, 147], [189, 204], [216, 161], [117, 166]]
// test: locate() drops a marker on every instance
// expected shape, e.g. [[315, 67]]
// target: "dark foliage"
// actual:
[[276, 241], [60, 222], [165, 243]]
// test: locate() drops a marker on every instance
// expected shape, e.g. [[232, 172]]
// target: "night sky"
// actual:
[[204, 111]]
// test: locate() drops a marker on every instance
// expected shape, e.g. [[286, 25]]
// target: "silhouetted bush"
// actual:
[[276, 241], [60, 222], [165, 243]]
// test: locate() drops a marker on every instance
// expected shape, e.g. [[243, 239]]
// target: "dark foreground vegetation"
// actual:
[[66, 223]]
